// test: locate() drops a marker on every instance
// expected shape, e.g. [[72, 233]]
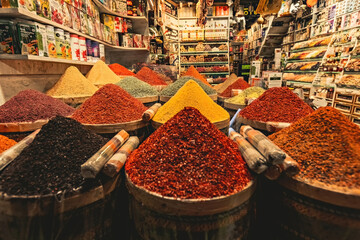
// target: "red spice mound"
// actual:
[[120, 70], [239, 84], [326, 145], [181, 160], [194, 73], [110, 104], [31, 105], [277, 104], [147, 75]]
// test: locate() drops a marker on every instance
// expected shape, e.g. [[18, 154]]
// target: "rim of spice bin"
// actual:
[[148, 99], [39, 205], [22, 126], [167, 98], [267, 126], [190, 207], [233, 106], [221, 99], [116, 127], [339, 196], [220, 125]]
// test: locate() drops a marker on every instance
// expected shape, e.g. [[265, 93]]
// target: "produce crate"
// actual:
[[343, 107], [344, 97], [356, 120]]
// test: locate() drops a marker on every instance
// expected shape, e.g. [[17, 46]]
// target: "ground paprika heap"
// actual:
[[120, 70], [188, 158], [239, 84], [149, 76]]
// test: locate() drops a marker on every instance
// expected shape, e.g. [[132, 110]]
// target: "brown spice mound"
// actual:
[[326, 145]]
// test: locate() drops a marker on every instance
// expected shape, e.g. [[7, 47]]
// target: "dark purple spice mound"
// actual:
[[31, 105], [51, 163]]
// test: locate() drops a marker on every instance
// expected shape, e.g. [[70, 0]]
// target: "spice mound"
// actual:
[[249, 93], [174, 87], [72, 84], [149, 76], [51, 163], [31, 105], [191, 95], [222, 86], [137, 88], [120, 70], [277, 104], [6, 143], [326, 145], [181, 160], [192, 72], [239, 84], [101, 74], [110, 104]]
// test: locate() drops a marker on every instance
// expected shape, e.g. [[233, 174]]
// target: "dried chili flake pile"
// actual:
[[149, 76], [188, 158], [110, 104], [239, 84], [277, 104], [31, 105], [51, 163], [326, 145]]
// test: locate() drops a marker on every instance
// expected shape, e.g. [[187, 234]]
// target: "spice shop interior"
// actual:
[[179, 119]]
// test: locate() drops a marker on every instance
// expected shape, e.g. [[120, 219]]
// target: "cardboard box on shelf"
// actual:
[[42, 39], [75, 48], [75, 17], [60, 43], [28, 43], [67, 45], [51, 44], [7, 37], [57, 14], [82, 47], [28, 5]]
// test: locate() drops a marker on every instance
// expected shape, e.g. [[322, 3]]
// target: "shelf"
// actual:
[[170, 15], [205, 63], [307, 49], [352, 73], [300, 71], [305, 60], [185, 18], [293, 81], [207, 42], [105, 9], [43, 59], [215, 73], [237, 43], [21, 13], [329, 72], [355, 57], [203, 53]]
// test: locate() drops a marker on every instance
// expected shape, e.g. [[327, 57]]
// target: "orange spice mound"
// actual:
[[6, 143], [194, 73], [120, 70]]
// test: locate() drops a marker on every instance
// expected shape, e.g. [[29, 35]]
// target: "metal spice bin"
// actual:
[[310, 211], [83, 215], [158, 217]]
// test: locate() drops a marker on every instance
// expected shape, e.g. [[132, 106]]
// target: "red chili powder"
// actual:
[[120, 70], [31, 105], [277, 104], [109, 104], [147, 75], [188, 158], [194, 73], [239, 84], [326, 145]]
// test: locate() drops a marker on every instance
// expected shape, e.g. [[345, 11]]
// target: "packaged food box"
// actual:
[[43, 8], [51, 45], [67, 45], [75, 17], [75, 48], [42, 39], [88, 50], [28, 42], [84, 25], [102, 52], [28, 5], [97, 31], [82, 47], [9, 4], [66, 8], [137, 41], [7, 37], [60, 43], [95, 51], [146, 42]]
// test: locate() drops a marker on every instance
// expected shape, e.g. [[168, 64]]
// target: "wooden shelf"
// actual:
[[21, 13], [204, 63], [203, 53], [105, 9], [43, 59], [185, 18]]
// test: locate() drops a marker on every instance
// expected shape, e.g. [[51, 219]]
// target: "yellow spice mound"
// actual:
[[72, 84], [101, 74], [191, 95]]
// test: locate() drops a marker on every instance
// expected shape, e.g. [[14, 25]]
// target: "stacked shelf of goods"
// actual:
[[68, 32]]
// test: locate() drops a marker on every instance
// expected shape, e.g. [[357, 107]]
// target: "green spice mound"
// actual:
[[327, 147], [51, 163], [137, 88], [172, 89], [188, 158]]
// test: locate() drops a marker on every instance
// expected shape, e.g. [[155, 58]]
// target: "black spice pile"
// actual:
[[51, 163]]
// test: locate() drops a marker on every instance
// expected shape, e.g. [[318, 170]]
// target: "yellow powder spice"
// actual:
[[72, 84], [191, 95], [101, 74]]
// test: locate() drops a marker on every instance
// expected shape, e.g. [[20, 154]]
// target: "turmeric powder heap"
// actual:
[[194, 73], [101, 74], [72, 84], [191, 95], [6, 143]]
